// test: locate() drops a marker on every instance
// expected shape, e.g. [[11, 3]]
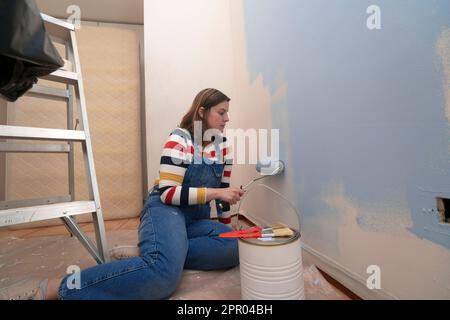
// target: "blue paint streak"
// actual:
[[365, 107]]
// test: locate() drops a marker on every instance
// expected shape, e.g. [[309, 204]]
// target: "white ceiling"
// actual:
[[115, 11]]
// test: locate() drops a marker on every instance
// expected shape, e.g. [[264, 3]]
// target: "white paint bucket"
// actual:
[[271, 270]]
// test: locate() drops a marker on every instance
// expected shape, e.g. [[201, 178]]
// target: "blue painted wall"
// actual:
[[366, 107]]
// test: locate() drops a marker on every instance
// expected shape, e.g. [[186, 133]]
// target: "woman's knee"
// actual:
[[162, 280], [230, 245], [232, 252]]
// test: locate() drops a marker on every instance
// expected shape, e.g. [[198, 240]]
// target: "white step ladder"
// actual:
[[64, 207]]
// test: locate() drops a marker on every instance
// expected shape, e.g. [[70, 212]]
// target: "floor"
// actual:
[[50, 251]]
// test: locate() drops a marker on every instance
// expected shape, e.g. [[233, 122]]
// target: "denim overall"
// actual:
[[170, 238]]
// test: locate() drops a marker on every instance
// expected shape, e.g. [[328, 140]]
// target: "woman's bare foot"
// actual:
[[124, 252]]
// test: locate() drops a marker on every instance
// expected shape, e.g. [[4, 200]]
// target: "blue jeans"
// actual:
[[170, 238]]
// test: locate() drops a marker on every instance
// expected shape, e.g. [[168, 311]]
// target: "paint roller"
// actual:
[[266, 167]]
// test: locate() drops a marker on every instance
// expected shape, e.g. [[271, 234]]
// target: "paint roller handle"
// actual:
[[231, 194], [225, 206]]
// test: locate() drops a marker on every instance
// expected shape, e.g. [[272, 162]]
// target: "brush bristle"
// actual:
[[283, 232], [277, 225]]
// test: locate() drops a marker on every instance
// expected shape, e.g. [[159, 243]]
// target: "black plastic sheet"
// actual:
[[26, 51]]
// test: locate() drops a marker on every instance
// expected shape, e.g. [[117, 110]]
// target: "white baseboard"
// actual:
[[348, 279]]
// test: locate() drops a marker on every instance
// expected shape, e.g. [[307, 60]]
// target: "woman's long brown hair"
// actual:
[[207, 98]]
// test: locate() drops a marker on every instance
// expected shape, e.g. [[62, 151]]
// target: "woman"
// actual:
[[175, 230]]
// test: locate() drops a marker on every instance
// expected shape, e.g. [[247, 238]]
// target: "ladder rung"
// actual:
[[62, 76], [48, 92], [39, 213], [29, 133], [34, 148], [56, 27], [10, 204]]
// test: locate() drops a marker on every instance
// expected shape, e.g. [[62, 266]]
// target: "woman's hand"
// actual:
[[231, 195]]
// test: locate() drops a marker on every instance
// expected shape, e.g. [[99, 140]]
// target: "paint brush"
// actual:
[[278, 232], [258, 232]]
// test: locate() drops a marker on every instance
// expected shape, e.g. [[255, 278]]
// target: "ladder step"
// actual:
[[56, 27], [39, 213], [11, 204], [29, 133], [48, 93], [34, 148], [62, 76]]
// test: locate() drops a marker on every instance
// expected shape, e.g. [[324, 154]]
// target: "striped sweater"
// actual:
[[177, 155]]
